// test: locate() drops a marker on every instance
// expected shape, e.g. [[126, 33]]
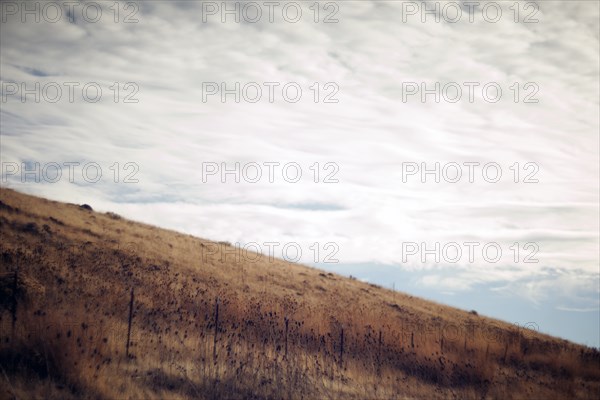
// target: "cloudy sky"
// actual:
[[363, 99]]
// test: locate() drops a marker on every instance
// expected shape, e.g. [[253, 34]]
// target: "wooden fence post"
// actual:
[[13, 305], [129, 324], [342, 347], [379, 354], [286, 336], [216, 328]]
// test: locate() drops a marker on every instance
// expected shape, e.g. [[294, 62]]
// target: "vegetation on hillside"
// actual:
[[96, 306]]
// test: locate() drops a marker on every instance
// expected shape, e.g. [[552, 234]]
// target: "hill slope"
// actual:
[[209, 321]]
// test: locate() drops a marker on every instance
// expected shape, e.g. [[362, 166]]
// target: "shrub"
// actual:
[[112, 215]]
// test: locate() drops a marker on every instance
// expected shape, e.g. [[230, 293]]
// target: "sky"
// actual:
[[446, 149]]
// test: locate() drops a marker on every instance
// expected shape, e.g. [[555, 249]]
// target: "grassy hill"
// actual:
[[96, 306]]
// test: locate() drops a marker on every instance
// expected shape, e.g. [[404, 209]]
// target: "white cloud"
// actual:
[[582, 310], [368, 134]]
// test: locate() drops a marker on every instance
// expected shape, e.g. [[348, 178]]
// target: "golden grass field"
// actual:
[[209, 322]]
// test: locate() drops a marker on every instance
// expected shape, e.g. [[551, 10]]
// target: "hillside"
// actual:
[[210, 323]]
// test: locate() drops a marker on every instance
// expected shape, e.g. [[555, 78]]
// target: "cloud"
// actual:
[[582, 310], [170, 132]]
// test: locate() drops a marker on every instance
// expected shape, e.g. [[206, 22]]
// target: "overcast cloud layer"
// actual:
[[373, 49]]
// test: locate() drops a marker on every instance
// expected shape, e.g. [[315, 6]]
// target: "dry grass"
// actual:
[[74, 269]]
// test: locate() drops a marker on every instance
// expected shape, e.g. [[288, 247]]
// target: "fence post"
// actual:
[[216, 328], [379, 354], [129, 324], [13, 305], [15, 288], [342, 347], [286, 336]]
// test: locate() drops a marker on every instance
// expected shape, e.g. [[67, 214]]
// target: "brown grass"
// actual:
[[75, 269]]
